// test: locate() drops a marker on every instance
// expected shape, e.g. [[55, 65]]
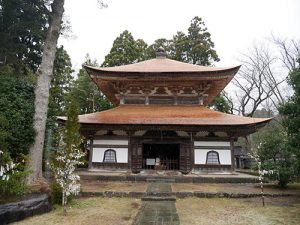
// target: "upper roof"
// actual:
[[166, 115], [112, 80], [162, 65]]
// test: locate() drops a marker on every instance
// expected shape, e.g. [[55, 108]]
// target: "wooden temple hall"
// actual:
[[161, 120]]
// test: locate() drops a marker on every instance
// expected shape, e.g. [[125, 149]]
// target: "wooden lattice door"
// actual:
[[185, 158], [137, 157]]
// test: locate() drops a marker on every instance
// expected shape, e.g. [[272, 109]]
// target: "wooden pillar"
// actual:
[[147, 92], [175, 92], [91, 138], [200, 99], [192, 150], [130, 148], [232, 154]]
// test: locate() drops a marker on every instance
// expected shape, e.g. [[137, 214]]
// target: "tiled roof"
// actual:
[[166, 115], [161, 65]]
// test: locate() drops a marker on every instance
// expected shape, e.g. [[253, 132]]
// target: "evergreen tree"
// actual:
[[59, 88], [86, 92], [23, 28], [142, 50], [196, 47], [179, 47], [60, 83], [16, 114], [160, 43], [200, 46], [291, 112], [221, 104], [126, 50]]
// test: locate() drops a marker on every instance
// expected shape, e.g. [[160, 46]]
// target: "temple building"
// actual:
[[161, 120]]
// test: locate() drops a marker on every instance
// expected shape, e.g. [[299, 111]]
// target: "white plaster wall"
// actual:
[[224, 156], [121, 154], [110, 142], [211, 143]]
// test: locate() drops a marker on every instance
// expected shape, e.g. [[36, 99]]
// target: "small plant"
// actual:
[[67, 157]]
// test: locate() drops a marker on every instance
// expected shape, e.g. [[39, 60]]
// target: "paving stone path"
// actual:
[[157, 210]]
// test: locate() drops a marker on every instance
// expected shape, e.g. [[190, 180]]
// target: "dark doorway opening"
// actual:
[[161, 156]]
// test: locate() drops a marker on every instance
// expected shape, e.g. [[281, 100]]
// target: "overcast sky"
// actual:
[[233, 24]]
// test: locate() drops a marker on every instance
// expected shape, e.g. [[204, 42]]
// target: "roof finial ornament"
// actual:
[[160, 53]]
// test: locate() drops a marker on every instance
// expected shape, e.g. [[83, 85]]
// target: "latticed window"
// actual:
[[110, 156], [212, 157]]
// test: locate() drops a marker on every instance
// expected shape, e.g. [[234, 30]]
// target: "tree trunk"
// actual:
[[42, 91], [64, 202]]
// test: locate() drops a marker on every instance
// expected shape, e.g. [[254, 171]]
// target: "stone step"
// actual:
[[159, 198], [161, 180]]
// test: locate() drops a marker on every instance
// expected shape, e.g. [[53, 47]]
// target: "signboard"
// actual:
[[150, 162]]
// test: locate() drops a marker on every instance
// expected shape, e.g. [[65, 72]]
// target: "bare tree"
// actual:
[[289, 51], [258, 81]]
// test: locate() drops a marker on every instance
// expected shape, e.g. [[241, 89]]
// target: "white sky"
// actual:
[[233, 24]]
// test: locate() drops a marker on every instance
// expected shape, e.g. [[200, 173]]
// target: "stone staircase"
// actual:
[[158, 207]]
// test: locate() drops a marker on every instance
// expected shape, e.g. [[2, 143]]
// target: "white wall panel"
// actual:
[[121, 154], [98, 154], [224, 156]]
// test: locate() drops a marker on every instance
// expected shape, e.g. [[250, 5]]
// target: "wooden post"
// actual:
[[192, 150], [130, 147], [232, 154], [91, 152]]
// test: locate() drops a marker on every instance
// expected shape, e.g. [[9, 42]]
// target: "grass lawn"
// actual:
[[218, 211], [98, 186], [191, 211], [91, 211], [236, 188]]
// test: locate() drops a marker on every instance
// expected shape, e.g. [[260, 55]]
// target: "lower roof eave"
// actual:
[[232, 130]]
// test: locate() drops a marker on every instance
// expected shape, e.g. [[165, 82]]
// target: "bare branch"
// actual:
[[258, 80], [289, 51], [102, 4]]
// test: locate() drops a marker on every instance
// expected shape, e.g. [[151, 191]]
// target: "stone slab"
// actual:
[[16, 211]]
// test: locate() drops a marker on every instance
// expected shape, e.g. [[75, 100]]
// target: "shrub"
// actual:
[[12, 176], [274, 155], [15, 185], [16, 114], [56, 194], [283, 172]]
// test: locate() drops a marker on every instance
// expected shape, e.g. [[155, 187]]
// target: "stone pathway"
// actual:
[[157, 210], [159, 187]]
